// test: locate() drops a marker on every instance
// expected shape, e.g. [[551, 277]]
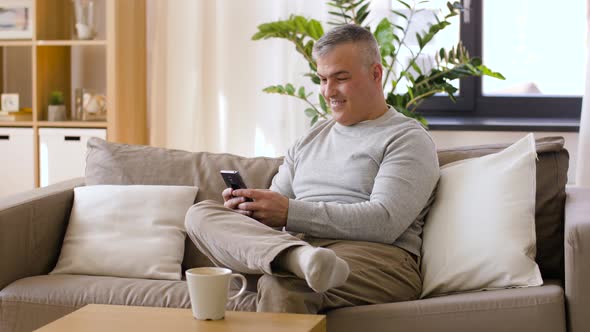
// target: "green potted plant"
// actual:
[[448, 64], [56, 111]]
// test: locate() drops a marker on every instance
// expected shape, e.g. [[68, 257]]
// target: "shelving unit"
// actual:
[[114, 63]]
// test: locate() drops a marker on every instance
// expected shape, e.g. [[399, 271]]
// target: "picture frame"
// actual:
[[10, 102], [16, 19]]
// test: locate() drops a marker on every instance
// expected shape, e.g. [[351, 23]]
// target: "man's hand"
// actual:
[[232, 202], [268, 207]]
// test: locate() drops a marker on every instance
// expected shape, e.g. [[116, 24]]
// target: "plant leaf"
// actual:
[[301, 92], [384, 36], [310, 112], [290, 89], [416, 68], [405, 4], [398, 13], [486, 71], [314, 120], [362, 13], [419, 38], [323, 103], [314, 29]]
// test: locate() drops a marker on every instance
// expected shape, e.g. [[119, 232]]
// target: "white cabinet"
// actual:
[[16, 161], [62, 153]]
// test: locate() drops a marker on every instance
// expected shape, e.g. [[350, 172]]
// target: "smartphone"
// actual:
[[233, 180]]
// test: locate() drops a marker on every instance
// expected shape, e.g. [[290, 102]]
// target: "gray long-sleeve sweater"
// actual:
[[367, 182]]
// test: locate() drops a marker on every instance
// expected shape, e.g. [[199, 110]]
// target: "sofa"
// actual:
[[33, 224]]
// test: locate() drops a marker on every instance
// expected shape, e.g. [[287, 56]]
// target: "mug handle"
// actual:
[[244, 283]]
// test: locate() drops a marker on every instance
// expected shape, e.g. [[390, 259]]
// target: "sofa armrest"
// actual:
[[577, 256], [32, 227]]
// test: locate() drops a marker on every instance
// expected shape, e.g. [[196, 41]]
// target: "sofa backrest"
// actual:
[[112, 163], [122, 164]]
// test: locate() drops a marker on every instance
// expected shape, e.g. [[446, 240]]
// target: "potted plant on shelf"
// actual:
[[56, 111], [421, 81]]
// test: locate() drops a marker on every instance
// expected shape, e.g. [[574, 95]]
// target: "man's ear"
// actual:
[[377, 72]]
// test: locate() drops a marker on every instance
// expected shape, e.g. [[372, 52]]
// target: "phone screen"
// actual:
[[233, 179]]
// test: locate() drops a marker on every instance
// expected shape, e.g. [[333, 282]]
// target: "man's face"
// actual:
[[349, 86]]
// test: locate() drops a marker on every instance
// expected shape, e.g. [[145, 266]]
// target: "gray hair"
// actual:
[[349, 33]]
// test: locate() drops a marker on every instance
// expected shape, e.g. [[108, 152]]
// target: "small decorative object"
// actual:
[[10, 102], [25, 114], [90, 106], [16, 19], [84, 11], [56, 111]]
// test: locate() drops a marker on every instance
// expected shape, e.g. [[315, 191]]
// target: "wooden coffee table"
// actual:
[[115, 318]]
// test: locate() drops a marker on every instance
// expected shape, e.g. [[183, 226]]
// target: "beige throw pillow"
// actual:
[[480, 231], [126, 231]]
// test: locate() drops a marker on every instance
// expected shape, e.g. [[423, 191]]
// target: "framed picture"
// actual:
[[16, 19], [10, 102]]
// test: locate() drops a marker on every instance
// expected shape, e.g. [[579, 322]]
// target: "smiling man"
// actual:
[[351, 196]]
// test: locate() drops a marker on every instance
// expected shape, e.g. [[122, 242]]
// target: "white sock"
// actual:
[[320, 267]]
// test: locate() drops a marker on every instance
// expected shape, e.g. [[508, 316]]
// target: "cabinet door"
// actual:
[[62, 153], [17, 172]]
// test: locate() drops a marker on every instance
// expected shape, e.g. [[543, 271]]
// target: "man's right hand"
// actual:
[[232, 202]]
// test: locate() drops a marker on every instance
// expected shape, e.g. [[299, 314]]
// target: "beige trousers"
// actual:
[[379, 273]]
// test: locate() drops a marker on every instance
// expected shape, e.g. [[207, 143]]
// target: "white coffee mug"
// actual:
[[208, 288]]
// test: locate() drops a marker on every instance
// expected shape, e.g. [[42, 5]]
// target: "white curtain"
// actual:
[[206, 75], [583, 165]]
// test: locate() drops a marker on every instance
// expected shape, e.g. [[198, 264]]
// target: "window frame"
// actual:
[[473, 110]]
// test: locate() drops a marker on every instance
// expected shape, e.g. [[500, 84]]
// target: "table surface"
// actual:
[[115, 318]]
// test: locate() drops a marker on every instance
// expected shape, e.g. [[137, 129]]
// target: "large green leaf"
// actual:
[[384, 36], [314, 29], [486, 71]]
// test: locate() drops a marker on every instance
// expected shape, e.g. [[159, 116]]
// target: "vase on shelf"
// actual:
[[84, 19], [56, 113], [90, 106]]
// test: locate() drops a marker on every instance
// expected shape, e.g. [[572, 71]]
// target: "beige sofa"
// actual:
[[32, 227]]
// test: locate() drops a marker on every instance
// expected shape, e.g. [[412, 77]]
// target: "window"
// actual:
[[540, 48]]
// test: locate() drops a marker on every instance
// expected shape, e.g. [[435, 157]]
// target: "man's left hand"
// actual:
[[268, 207]]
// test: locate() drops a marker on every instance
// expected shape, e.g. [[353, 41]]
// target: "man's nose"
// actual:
[[329, 89]]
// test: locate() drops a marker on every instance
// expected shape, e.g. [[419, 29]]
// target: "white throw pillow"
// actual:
[[126, 231], [480, 231]]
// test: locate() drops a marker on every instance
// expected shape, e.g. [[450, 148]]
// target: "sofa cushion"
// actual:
[[32, 302], [534, 309], [126, 231], [122, 164], [552, 166], [480, 231]]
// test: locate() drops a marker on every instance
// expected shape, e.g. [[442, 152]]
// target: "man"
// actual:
[[351, 195]]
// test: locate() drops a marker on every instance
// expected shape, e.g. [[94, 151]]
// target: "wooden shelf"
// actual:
[[72, 124], [113, 64], [70, 42], [16, 123], [16, 43]]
